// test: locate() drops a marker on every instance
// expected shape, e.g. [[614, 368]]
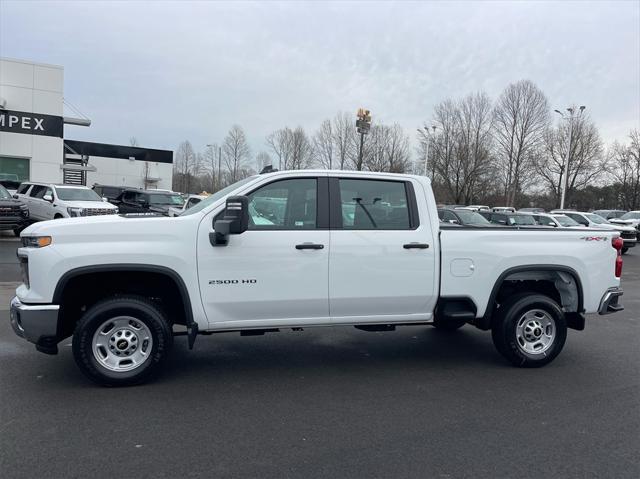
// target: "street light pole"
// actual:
[[567, 156], [213, 168], [363, 124]]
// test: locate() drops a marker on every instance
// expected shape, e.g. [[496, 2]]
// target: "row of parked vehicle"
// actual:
[[34, 201], [626, 222]]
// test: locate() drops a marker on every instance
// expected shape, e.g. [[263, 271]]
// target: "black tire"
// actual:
[[17, 231], [448, 325], [510, 341], [624, 250], [57, 216], [141, 310]]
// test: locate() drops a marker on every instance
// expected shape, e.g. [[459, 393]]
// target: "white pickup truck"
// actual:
[[302, 249]]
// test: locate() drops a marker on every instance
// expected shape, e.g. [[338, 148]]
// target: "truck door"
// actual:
[[36, 202], [278, 269], [382, 264]]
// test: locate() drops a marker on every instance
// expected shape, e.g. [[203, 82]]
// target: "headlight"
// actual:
[[77, 212], [36, 241]]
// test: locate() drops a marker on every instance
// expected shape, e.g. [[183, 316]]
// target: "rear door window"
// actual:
[[37, 191], [374, 205]]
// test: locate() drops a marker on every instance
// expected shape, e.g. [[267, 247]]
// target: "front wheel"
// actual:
[[122, 341], [530, 330]]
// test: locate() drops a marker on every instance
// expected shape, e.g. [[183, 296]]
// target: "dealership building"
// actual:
[[35, 146]]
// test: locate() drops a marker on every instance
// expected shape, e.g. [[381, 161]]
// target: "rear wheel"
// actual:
[[122, 341], [530, 330], [58, 216]]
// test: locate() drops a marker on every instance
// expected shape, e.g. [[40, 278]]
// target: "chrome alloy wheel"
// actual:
[[535, 332], [122, 343]]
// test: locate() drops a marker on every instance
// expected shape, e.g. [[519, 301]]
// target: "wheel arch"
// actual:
[[162, 271], [566, 282]]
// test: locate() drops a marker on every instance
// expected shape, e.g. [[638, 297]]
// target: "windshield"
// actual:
[[522, 220], [77, 194], [597, 219], [566, 221], [4, 194], [216, 196], [165, 199], [471, 218], [631, 215]]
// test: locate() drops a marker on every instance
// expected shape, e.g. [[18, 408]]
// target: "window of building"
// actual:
[[15, 169]]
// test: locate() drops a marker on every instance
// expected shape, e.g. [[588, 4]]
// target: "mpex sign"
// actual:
[[31, 123]]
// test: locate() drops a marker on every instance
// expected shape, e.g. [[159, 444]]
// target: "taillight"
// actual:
[[617, 244]]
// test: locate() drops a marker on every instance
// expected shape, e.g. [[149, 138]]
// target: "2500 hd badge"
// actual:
[[233, 281]]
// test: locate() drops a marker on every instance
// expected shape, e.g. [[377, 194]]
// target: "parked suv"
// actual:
[[148, 201], [14, 214], [609, 214], [48, 201]]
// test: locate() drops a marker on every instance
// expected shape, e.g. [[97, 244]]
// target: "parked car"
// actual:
[[214, 269], [190, 201], [109, 192], [628, 233], [47, 201], [14, 214], [509, 218], [503, 209], [531, 210], [609, 214], [555, 220], [147, 201], [462, 217]]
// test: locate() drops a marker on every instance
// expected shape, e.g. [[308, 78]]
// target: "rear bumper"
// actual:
[[610, 302], [37, 323]]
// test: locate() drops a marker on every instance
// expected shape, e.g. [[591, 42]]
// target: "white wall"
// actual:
[[112, 171], [34, 88]]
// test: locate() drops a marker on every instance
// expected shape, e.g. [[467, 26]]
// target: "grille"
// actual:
[[10, 211], [100, 211], [628, 235]]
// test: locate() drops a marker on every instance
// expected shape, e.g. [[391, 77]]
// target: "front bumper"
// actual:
[[37, 323], [610, 302]]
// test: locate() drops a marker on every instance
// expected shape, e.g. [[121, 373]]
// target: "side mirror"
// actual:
[[105, 199], [48, 198], [454, 222], [234, 222]]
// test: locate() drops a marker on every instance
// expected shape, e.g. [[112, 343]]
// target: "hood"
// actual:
[[618, 221], [89, 204], [11, 202], [114, 225], [163, 209]]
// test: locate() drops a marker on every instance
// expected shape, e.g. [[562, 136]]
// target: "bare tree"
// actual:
[[460, 152], [235, 153], [624, 166], [386, 149], [344, 135], [280, 142], [521, 117], [186, 166], [584, 156], [323, 145], [133, 141], [301, 149]]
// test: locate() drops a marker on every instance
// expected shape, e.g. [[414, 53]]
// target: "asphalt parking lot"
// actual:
[[336, 403]]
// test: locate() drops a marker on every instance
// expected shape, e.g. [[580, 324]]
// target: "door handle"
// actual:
[[309, 246], [415, 246]]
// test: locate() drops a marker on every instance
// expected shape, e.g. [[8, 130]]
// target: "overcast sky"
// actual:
[[166, 72]]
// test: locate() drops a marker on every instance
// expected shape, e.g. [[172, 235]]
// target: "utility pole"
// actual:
[[567, 156], [213, 169], [363, 124], [219, 168]]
